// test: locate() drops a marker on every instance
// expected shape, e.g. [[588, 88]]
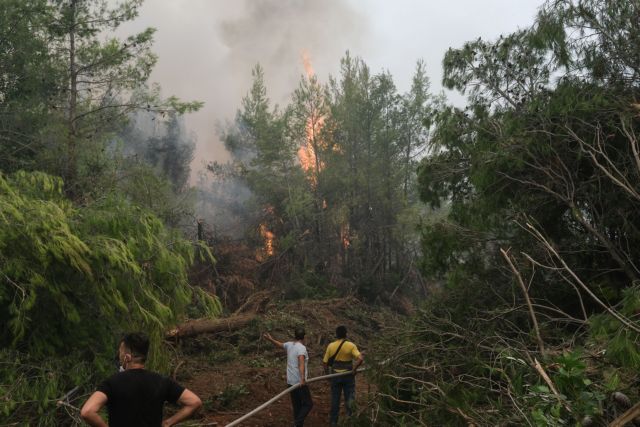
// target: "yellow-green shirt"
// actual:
[[348, 352]]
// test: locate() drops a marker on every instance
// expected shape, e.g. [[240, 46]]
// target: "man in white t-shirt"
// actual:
[[297, 362]]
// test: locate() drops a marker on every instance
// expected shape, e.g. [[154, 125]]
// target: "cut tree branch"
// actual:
[[532, 313]]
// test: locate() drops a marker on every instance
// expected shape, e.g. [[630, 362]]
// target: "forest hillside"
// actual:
[[484, 253]]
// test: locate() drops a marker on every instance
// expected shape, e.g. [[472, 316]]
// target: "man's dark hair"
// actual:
[[299, 333], [138, 344], [341, 332]]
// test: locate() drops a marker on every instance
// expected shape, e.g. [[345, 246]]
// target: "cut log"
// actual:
[[210, 326]]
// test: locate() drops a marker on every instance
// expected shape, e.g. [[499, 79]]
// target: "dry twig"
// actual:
[[526, 297]]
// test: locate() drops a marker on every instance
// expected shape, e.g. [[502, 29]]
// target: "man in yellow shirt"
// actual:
[[340, 356]]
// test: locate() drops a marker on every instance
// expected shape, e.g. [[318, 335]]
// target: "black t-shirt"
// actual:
[[135, 397]]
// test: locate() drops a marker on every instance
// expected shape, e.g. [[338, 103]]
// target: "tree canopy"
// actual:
[[83, 256], [537, 178]]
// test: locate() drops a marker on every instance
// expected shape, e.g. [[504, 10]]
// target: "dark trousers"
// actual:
[[302, 404], [348, 384]]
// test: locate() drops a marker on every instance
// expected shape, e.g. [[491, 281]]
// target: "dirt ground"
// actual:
[[264, 384], [235, 372]]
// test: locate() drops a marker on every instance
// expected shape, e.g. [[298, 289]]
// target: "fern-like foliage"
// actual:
[[72, 279]]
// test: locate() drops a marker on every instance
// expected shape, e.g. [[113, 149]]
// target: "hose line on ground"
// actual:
[[287, 391]]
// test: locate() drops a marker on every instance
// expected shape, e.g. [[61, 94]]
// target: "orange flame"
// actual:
[[344, 236], [307, 153], [307, 157], [268, 237], [306, 63]]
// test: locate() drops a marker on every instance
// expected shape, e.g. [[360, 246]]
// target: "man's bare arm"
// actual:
[[275, 342], [190, 403], [359, 362], [91, 407], [301, 369]]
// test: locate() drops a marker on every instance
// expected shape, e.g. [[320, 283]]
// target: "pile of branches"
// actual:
[[505, 353], [489, 370]]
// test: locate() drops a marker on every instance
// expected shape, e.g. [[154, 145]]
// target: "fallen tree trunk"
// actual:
[[210, 326]]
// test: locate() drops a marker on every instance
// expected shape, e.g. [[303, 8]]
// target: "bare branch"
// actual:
[[532, 313], [625, 321]]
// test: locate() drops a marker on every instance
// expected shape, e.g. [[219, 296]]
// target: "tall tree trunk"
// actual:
[[72, 166], [407, 170]]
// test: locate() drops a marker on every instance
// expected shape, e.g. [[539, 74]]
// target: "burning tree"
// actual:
[[335, 168]]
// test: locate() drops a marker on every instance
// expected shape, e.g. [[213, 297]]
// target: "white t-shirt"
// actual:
[[295, 349]]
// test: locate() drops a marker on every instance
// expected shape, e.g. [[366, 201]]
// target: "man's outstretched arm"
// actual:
[[190, 403], [91, 407], [275, 342]]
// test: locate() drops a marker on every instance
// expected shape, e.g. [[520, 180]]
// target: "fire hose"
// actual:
[[287, 391]]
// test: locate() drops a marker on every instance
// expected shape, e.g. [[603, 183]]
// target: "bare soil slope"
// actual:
[[234, 372]]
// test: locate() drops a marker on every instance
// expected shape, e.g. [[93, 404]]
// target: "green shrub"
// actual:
[[75, 278]]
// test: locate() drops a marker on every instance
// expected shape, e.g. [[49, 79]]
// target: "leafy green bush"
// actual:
[[75, 278], [577, 393], [230, 395], [31, 387], [478, 368], [620, 342]]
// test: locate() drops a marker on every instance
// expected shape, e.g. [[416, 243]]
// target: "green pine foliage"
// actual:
[[542, 162], [332, 176], [74, 278], [84, 259]]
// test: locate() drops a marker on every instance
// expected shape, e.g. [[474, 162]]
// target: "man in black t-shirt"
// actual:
[[135, 397]]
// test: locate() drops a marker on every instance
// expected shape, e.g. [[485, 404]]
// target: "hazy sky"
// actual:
[[207, 48]]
